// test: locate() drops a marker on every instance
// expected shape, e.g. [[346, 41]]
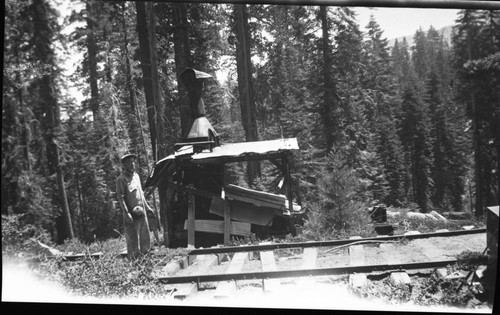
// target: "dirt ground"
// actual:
[[333, 292]]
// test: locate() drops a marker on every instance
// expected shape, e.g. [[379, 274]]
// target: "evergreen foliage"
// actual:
[[401, 126], [340, 210]]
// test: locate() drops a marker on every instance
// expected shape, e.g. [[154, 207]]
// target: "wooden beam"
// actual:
[[268, 263], [261, 195], [357, 258], [227, 224], [257, 202], [191, 220], [199, 266], [243, 212], [225, 289], [233, 159], [288, 179], [215, 226], [397, 277], [309, 257]]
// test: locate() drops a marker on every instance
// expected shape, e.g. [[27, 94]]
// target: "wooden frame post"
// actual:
[[288, 178], [191, 219], [227, 223]]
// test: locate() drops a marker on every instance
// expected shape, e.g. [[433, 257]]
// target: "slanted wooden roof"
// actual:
[[238, 151], [225, 153], [242, 151]]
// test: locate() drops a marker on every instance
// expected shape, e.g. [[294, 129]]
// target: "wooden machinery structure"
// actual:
[[194, 195], [214, 206]]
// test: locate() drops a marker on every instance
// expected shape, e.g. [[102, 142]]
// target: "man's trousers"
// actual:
[[137, 237]]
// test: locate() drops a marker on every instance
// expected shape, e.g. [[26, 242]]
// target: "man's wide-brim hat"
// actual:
[[128, 155]]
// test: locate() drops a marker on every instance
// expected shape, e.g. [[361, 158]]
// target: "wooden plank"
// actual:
[[199, 267], [309, 257], [217, 227], [224, 289], [261, 195], [263, 203], [357, 258], [268, 263], [261, 198], [398, 277], [288, 180], [257, 202], [243, 212], [191, 221], [227, 224]]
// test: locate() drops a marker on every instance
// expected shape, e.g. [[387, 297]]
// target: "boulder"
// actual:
[[439, 216], [416, 215]]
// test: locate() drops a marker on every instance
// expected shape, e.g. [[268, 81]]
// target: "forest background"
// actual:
[[412, 126]]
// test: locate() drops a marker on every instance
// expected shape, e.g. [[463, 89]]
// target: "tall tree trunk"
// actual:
[[15, 126], [245, 85], [145, 53], [182, 60], [147, 42], [151, 81], [47, 96], [134, 126], [476, 141], [155, 81], [330, 93], [92, 60], [80, 203]]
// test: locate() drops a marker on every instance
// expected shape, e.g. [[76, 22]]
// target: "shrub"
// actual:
[[20, 239], [438, 291], [340, 211]]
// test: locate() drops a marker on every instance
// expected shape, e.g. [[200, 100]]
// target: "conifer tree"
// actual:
[[245, 84], [415, 136], [476, 49], [43, 25]]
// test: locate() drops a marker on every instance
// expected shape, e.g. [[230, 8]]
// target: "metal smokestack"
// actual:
[[201, 135]]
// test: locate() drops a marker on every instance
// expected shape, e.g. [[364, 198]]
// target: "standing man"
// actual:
[[133, 204]]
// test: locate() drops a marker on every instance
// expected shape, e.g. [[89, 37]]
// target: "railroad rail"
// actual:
[[311, 272], [274, 246], [227, 268]]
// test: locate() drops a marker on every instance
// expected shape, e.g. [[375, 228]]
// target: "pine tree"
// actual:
[[476, 49], [339, 211], [415, 137], [43, 25], [23, 182], [245, 84], [381, 108]]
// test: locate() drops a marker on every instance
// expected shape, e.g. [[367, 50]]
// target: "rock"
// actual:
[[443, 274], [393, 214], [438, 216], [416, 215], [442, 230], [399, 278], [468, 227], [358, 280], [431, 217]]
